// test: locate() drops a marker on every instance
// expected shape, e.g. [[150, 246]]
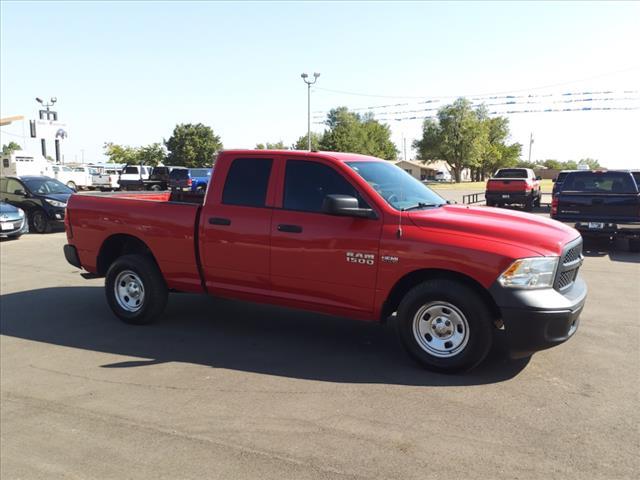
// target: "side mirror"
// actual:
[[20, 192], [553, 180], [345, 206], [538, 177]]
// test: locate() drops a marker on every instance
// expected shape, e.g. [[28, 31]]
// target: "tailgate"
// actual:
[[606, 207], [507, 185]]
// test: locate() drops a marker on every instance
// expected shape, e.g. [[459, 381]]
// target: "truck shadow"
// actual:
[[617, 250], [232, 335]]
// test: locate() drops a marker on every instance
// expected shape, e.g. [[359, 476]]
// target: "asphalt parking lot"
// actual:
[[228, 390]]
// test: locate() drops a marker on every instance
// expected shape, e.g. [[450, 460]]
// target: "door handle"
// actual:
[[219, 221], [289, 228]]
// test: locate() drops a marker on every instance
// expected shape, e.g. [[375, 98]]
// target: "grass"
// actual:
[[547, 185]]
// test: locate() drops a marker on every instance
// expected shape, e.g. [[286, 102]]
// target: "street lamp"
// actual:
[[309, 83], [47, 105]]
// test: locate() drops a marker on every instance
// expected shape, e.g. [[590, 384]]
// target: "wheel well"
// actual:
[[406, 283], [117, 246]]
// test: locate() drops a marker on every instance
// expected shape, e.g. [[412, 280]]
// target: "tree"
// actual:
[[120, 153], [10, 148], [553, 164], [272, 146], [192, 145], [495, 153], [457, 137], [303, 143], [352, 132], [153, 154], [592, 163]]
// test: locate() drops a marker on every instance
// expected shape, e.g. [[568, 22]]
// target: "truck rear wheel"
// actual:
[[445, 326], [135, 289], [528, 204]]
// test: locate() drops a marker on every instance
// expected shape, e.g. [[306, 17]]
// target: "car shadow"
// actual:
[[617, 249], [233, 335]]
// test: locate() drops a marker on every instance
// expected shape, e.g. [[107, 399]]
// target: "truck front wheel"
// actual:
[[445, 326], [135, 289]]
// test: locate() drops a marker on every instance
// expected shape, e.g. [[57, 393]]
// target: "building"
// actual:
[[427, 170]]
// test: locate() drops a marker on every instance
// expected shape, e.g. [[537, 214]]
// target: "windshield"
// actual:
[[46, 186], [397, 187], [511, 173]]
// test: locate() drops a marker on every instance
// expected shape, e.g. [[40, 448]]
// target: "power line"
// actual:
[[360, 94]]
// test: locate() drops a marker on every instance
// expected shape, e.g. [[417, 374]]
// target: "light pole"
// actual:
[[309, 83], [530, 145]]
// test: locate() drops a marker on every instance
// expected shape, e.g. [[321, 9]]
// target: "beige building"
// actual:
[[428, 170]]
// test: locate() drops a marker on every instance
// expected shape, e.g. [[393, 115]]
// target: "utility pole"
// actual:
[[404, 140], [530, 144], [309, 83]]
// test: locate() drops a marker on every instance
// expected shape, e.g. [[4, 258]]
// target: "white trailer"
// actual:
[[20, 162]]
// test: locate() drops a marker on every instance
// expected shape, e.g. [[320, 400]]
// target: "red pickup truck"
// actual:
[[514, 186], [343, 234]]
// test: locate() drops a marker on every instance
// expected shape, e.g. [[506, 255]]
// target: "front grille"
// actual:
[[572, 254], [570, 262]]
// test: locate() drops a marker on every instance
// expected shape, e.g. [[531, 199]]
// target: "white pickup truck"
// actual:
[[107, 178]]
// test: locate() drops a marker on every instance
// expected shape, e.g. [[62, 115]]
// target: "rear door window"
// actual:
[[247, 182]]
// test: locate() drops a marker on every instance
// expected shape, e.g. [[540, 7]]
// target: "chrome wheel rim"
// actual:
[[129, 291], [441, 329]]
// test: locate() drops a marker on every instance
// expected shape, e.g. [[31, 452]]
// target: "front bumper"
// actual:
[[56, 214], [16, 226], [539, 319]]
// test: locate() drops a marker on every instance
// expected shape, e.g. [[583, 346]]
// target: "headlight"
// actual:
[[55, 203], [537, 272], [20, 213]]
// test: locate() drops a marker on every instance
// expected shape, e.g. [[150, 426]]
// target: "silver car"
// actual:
[[13, 221]]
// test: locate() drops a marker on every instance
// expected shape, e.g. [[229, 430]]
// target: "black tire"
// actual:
[[39, 222], [538, 201], [490, 203], [156, 188], [153, 285], [528, 204], [634, 245], [466, 302]]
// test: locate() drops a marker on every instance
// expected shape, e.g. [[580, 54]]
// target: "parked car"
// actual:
[[600, 204], [343, 234], [192, 179], [557, 182], [514, 186], [70, 177], [107, 178], [85, 176], [44, 199], [443, 176], [132, 177], [13, 221]]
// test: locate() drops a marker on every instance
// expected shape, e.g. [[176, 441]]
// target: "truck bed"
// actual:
[[166, 222]]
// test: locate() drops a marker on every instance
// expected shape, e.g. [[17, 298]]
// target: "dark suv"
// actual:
[[192, 179]]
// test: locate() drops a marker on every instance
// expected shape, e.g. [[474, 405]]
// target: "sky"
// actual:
[[128, 72]]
